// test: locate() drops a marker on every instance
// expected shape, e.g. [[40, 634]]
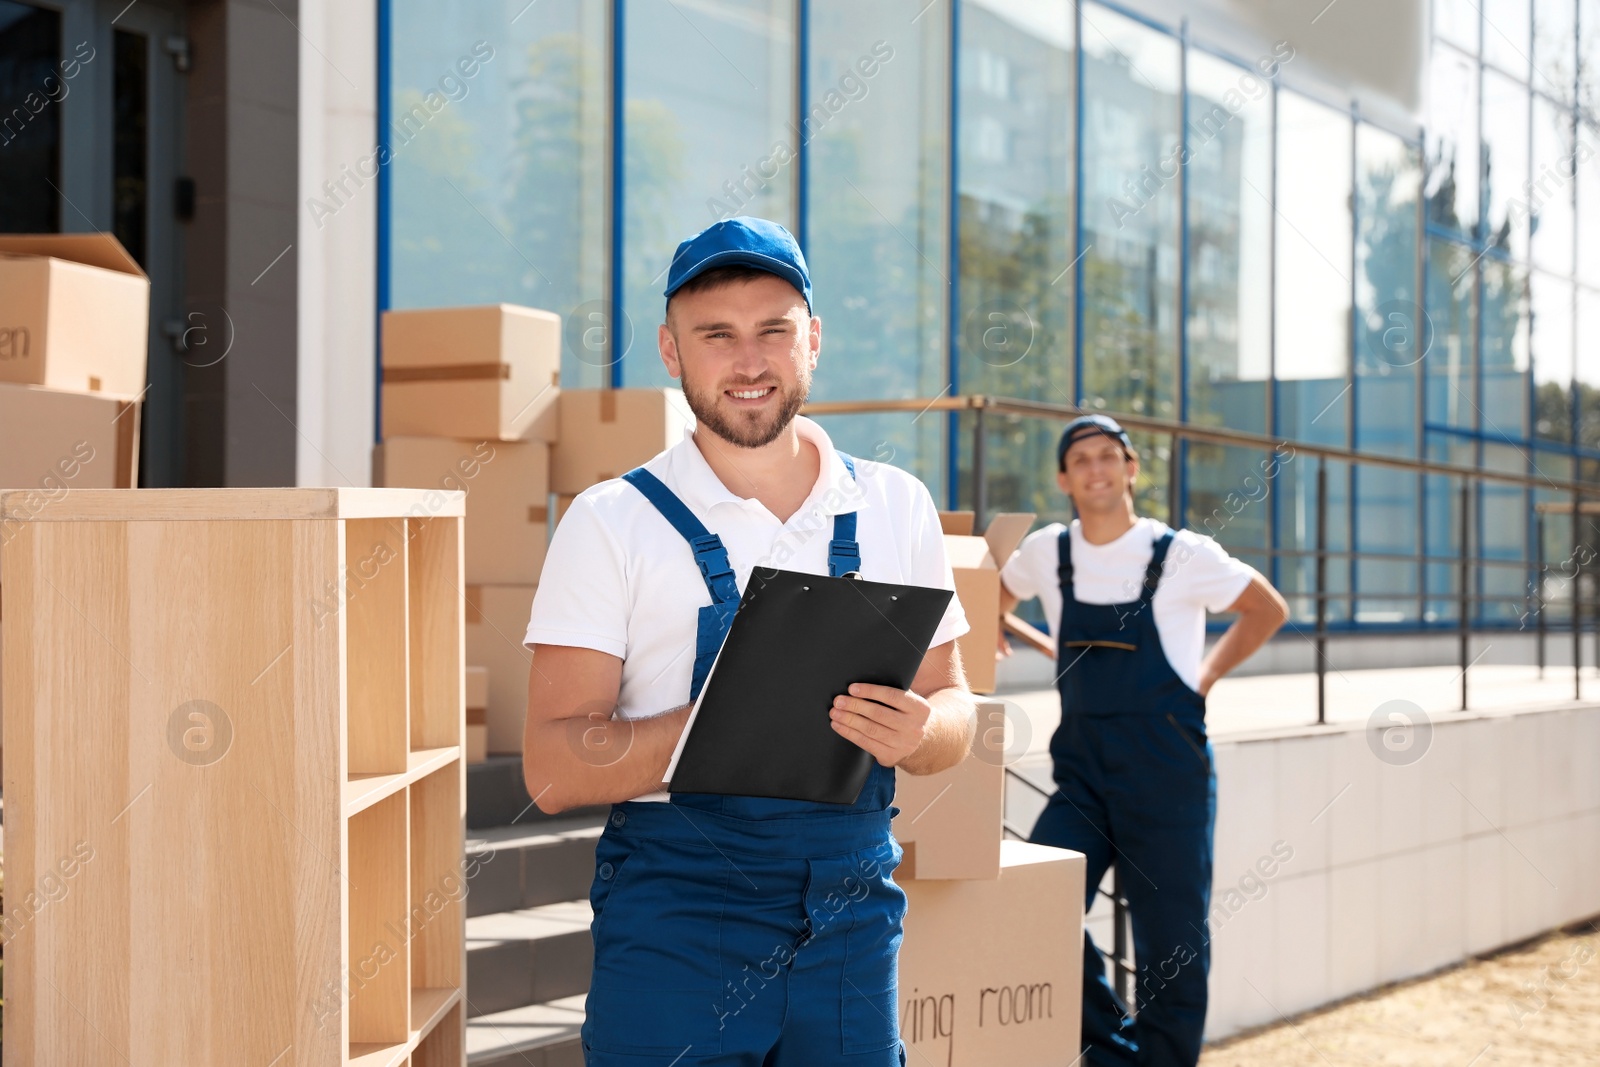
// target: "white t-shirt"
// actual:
[[619, 578], [1198, 576]]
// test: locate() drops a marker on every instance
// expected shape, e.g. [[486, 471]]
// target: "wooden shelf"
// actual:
[[231, 505], [332, 806], [428, 1006], [361, 791]]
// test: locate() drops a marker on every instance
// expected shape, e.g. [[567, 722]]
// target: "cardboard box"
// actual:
[[74, 313], [477, 372], [507, 485], [976, 562], [991, 972], [950, 822], [477, 690], [477, 742], [497, 621], [56, 441], [607, 432]]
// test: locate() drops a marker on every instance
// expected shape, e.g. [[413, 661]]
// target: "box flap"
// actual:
[[967, 553], [91, 249], [1006, 531], [956, 522]]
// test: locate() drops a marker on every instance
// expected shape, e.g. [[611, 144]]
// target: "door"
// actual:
[[91, 110]]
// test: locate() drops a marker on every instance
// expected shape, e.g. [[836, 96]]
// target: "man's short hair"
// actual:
[[717, 277]]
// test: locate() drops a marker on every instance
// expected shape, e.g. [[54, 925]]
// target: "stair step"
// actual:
[[496, 796], [538, 1035], [513, 867], [527, 957]]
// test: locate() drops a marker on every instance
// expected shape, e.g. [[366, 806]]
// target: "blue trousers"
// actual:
[[1139, 791], [726, 942]]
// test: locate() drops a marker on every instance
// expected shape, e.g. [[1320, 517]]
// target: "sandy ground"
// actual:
[[1539, 1004]]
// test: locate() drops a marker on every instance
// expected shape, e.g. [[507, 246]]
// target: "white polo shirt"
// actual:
[[1198, 576], [619, 578]]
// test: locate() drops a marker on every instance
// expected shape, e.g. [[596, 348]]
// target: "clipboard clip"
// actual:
[[853, 574]]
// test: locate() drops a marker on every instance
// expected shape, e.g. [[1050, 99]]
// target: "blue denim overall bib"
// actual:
[[745, 931], [1135, 787]]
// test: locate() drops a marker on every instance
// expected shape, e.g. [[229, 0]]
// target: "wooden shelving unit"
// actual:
[[234, 778]]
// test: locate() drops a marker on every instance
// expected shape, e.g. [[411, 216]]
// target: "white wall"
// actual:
[[1491, 837], [338, 251]]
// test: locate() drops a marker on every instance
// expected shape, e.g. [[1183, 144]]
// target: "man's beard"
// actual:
[[751, 429]]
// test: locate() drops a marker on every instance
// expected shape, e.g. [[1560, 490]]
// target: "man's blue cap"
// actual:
[[742, 241], [1091, 426]]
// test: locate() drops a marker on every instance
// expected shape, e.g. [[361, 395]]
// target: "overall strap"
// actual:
[[709, 554], [1064, 563], [1158, 558], [844, 553]]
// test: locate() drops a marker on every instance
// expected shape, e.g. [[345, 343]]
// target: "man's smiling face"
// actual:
[[744, 351]]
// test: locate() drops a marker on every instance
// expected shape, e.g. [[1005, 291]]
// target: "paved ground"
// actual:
[[1538, 1006], [1287, 701]]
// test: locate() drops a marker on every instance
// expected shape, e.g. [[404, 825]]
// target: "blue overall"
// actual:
[[1135, 787], [745, 931]]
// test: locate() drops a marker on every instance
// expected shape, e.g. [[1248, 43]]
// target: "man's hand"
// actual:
[[890, 723]]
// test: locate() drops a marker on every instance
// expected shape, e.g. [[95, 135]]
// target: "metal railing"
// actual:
[[1466, 598]]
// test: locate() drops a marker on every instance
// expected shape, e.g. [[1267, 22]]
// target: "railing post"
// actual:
[[980, 476], [1537, 590], [1465, 604], [1322, 592], [1119, 937], [1577, 607]]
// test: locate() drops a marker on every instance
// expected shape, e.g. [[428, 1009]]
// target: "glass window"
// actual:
[[1505, 163], [30, 137], [1450, 304], [1457, 22], [1130, 216], [1555, 51], [876, 124], [1230, 244], [1550, 592], [1550, 303], [1016, 85], [1586, 374], [1587, 164], [1589, 54], [1505, 349], [1228, 492], [1506, 25], [1503, 511], [1552, 191], [1452, 131], [1394, 336], [498, 140], [1296, 498], [1441, 526], [1388, 525], [707, 136], [1312, 270]]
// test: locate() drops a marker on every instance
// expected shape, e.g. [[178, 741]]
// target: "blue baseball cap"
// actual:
[[742, 241], [1091, 426]]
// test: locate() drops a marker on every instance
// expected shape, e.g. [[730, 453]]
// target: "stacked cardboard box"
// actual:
[[74, 335], [976, 562], [990, 967], [74, 326], [477, 714], [471, 401]]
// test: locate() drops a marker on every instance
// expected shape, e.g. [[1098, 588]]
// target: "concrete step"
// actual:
[[538, 1035], [524, 866], [496, 796], [531, 956]]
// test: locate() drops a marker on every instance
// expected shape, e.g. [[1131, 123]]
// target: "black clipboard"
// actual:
[[761, 726]]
